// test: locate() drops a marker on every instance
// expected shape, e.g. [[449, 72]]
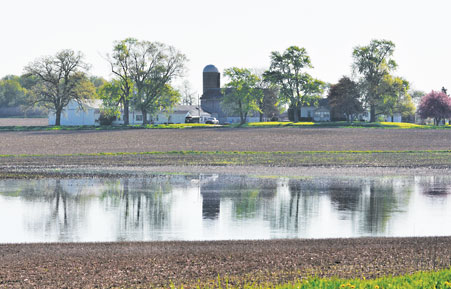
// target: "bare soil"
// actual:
[[269, 164], [24, 121], [223, 139], [154, 264]]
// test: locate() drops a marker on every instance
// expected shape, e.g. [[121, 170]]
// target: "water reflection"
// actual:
[[206, 207]]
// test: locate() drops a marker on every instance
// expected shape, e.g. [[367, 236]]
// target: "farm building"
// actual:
[[182, 114], [86, 113], [321, 112], [213, 95], [177, 114]]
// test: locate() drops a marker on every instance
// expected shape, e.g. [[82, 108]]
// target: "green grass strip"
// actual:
[[439, 279], [343, 124]]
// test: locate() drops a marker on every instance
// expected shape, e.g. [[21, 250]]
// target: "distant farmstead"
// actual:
[[212, 97], [88, 113], [213, 94]]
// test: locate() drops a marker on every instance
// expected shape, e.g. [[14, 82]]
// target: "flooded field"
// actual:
[[222, 207]]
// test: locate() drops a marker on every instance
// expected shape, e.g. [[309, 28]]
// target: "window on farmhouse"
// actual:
[[139, 117]]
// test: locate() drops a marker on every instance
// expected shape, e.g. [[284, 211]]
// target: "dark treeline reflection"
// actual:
[[216, 206], [434, 186]]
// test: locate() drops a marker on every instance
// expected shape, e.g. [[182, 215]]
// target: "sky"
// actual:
[[239, 33]]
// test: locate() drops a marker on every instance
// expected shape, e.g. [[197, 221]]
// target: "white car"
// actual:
[[211, 120]]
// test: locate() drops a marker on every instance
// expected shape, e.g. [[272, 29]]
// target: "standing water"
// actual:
[[222, 207]]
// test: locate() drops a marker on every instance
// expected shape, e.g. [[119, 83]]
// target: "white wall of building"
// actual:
[[397, 117], [170, 118], [74, 114], [237, 119]]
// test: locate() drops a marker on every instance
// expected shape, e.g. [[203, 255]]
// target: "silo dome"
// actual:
[[210, 68], [211, 77]]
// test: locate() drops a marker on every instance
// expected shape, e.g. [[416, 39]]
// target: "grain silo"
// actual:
[[211, 77]]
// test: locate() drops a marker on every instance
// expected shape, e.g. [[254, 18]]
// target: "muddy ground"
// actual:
[[23, 121], [223, 139], [296, 164], [153, 264]]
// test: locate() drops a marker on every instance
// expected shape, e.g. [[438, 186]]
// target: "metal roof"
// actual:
[[211, 68]]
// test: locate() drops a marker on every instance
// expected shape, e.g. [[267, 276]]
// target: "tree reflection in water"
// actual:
[[155, 207], [434, 186]]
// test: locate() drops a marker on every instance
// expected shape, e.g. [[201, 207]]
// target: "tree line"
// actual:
[[375, 88], [144, 73]]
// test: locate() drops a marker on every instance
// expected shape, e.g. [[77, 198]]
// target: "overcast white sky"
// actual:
[[235, 33]]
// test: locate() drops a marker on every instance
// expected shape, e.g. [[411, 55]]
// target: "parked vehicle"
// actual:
[[211, 120]]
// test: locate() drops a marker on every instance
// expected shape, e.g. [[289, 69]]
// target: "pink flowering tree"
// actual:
[[436, 105]]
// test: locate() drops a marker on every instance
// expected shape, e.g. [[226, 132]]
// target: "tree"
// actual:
[[188, 96], [416, 96], [168, 97], [241, 92], [344, 98], [153, 66], [394, 97], [97, 81], [11, 92], [111, 95], [297, 88], [120, 62], [59, 79], [268, 102], [373, 63], [269, 105], [436, 105]]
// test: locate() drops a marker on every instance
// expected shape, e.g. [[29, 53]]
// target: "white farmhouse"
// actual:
[[178, 114], [181, 114], [321, 112], [86, 113]]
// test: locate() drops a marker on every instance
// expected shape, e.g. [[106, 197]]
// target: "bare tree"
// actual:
[[187, 93], [59, 79]]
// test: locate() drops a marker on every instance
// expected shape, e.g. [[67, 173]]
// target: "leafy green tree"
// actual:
[[168, 97], [97, 81], [268, 102], [153, 66], [395, 97], [59, 79], [344, 98], [111, 95], [297, 88], [11, 92], [241, 92], [373, 63], [120, 61]]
